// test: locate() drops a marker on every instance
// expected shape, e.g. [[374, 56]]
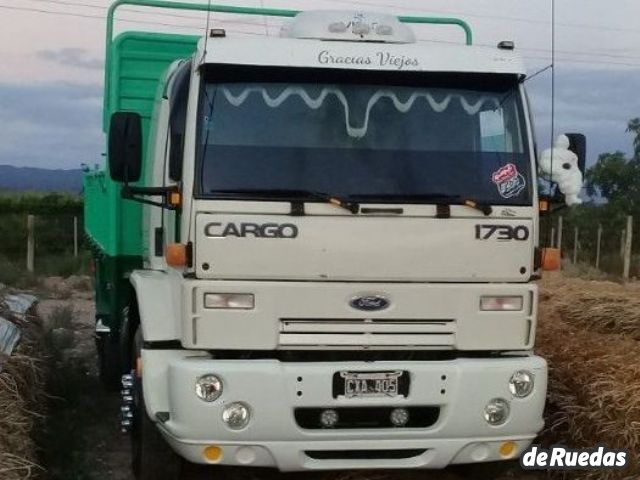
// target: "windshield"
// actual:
[[364, 142]]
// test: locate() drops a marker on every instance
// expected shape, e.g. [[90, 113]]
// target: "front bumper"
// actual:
[[461, 388]]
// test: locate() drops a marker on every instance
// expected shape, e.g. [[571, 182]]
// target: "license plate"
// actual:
[[371, 384]]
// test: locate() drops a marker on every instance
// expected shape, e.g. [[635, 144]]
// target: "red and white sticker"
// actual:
[[509, 181]]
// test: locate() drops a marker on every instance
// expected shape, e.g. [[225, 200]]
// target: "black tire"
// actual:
[[152, 457], [109, 363], [115, 350]]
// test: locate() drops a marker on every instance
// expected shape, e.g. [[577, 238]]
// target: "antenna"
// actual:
[[553, 81], [266, 20], [206, 32], [553, 118]]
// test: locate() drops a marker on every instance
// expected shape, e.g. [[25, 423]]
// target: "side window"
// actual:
[[178, 119]]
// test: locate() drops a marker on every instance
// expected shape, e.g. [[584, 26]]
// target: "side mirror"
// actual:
[[578, 145], [125, 147]]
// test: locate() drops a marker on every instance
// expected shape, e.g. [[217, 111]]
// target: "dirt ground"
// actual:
[[83, 436], [83, 441]]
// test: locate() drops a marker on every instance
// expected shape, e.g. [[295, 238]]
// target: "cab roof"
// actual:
[[359, 40], [318, 53]]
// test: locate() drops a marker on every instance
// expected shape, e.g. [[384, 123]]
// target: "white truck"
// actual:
[[338, 272]]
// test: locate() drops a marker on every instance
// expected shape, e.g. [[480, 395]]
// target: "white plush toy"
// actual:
[[561, 165]]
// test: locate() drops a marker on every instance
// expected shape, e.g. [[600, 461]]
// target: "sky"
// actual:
[[51, 64]]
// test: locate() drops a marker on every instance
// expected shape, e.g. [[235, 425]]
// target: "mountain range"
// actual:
[[40, 179]]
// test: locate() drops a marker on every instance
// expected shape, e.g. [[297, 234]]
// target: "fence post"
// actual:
[[75, 237], [559, 246], [575, 245], [31, 244], [598, 246], [552, 240], [623, 236], [627, 248]]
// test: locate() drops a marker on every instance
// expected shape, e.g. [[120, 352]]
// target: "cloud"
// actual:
[[59, 124], [56, 125], [598, 103], [72, 57]]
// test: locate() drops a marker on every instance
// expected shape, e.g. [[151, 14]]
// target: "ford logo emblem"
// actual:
[[370, 303]]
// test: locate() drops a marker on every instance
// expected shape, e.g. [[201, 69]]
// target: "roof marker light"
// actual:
[[338, 27], [384, 30], [361, 28], [507, 45]]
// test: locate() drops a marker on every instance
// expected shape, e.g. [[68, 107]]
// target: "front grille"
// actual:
[[367, 417], [366, 333], [364, 454]]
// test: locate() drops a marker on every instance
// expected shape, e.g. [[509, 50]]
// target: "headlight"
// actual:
[[208, 388], [245, 301], [236, 416], [521, 383], [501, 304], [496, 412]]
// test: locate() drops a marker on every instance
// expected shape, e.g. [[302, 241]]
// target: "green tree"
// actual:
[[614, 186], [616, 178], [634, 127]]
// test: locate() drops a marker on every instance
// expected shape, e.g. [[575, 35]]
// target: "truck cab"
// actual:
[[322, 247]]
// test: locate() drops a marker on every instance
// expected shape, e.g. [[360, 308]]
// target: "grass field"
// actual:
[[589, 333], [53, 234]]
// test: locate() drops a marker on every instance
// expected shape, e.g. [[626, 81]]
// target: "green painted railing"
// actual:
[[269, 12], [110, 73], [442, 21]]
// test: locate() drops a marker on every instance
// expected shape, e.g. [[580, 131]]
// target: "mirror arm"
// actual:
[[555, 201], [136, 193], [558, 207]]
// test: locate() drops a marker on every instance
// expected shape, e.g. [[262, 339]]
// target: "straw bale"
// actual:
[[594, 372], [22, 387]]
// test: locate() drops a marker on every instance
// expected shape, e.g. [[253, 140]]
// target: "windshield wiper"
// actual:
[[289, 194], [483, 207], [438, 198]]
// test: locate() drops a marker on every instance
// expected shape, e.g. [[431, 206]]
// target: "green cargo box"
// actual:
[[137, 64], [135, 73]]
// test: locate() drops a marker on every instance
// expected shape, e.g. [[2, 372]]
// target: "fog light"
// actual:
[[208, 388], [521, 383], [399, 417], [496, 412], [329, 418], [480, 452], [236, 416]]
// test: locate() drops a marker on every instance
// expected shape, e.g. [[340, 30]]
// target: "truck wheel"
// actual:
[[115, 351], [109, 364], [152, 457]]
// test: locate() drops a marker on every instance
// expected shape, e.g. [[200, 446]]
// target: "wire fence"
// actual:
[[611, 246], [43, 244], [53, 243]]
